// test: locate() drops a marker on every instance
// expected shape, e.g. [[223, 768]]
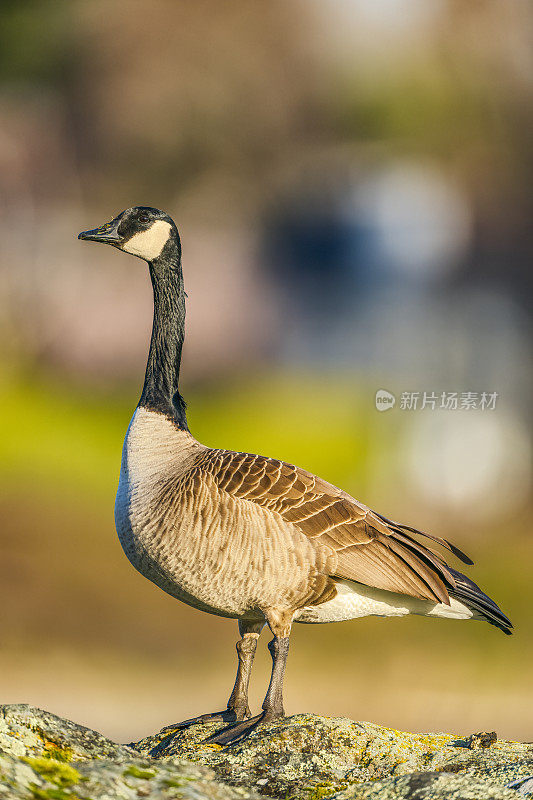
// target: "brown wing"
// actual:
[[369, 548]]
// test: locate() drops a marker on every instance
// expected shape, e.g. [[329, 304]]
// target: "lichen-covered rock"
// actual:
[[306, 757], [47, 779], [428, 786], [311, 757], [285, 758], [28, 731]]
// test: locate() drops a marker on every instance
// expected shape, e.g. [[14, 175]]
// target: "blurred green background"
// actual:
[[353, 183]]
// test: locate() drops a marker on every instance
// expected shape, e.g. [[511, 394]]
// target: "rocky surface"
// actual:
[[305, 757]]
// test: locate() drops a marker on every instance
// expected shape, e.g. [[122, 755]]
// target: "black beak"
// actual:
[[108, 234]]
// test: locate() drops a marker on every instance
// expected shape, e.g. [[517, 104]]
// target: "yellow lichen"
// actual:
[[53, 750], [322, 790], [134, 771], [53, 771]]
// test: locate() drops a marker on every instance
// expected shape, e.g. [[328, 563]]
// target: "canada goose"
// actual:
[[248, 537]]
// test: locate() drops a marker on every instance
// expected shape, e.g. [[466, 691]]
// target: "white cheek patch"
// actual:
[[149, 244]]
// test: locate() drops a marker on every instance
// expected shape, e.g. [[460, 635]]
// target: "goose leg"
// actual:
[[237, 707], [273, 702], [238, 700]]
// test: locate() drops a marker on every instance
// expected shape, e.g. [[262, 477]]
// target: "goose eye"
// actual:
[[144, 218]]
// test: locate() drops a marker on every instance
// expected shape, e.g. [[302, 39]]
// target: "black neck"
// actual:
[[160, 391]]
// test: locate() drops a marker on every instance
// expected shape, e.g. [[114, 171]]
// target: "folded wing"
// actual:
[[367, 547]]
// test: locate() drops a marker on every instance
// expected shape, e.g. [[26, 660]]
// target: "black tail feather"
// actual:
[[471, 595], [444, 542]]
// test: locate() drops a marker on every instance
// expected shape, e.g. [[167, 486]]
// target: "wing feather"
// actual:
[[358, 543]]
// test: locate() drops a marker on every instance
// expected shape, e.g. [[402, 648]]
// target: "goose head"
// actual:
[[142, 231]]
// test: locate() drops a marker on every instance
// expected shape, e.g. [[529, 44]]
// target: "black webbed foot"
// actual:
[[228, 715], [236, 733]]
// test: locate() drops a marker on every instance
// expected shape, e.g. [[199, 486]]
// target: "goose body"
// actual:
[[248, 537], [167, 475]]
